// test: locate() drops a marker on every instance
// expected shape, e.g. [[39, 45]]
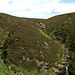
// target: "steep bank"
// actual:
[[3, 37], [27, 48], [62, 28]]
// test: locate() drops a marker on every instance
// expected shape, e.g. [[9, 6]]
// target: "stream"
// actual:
[[67, 73]]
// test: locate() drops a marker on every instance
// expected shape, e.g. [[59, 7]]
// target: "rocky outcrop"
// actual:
[[41, 25], [42, 66]]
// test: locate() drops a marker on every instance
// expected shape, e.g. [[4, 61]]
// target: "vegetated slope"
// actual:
[[3, 37], [27, 47], [4, 70], [62, 28]]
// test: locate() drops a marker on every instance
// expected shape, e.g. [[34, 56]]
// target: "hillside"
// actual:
[[62, 28], [25, 47]]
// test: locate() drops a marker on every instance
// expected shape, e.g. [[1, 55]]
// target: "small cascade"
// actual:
[[67, 73]]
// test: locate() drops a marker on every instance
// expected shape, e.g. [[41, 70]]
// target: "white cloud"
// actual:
[[63, 7], [35, 8]]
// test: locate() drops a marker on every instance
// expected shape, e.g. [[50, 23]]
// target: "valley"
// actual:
[[37, 46]]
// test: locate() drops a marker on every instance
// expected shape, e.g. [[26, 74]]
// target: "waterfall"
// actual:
[[67, 73]]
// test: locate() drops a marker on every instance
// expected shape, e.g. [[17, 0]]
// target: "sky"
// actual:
[[37, 8]]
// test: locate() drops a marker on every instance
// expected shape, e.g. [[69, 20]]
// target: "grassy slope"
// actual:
[[45, 34], [25, 43], [63, 28], [3, 69]]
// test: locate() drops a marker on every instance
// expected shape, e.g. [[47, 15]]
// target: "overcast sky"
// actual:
[[37, 8]]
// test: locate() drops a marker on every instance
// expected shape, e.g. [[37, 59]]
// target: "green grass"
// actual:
[[4, 70], [44, 34]]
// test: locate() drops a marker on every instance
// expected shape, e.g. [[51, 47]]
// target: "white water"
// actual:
[[67, 73]]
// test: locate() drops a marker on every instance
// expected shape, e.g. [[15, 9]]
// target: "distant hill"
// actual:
[[25, 46], [62, 28]]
